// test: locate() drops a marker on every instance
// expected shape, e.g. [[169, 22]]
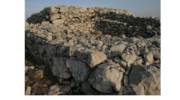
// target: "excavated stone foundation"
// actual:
[[95, 50]]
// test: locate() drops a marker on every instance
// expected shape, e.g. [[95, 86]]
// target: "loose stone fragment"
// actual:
[[28, 90], [118, 49], [95, 58], [149, 58], [54, 90], [39, 74]]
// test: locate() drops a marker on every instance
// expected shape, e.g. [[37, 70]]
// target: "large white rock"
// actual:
[[118, 48], [106, 78], [95, 58], [145, 80], [149, 58], [129, 55]]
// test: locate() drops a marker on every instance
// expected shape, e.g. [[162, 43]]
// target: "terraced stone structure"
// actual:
[[96, 50]]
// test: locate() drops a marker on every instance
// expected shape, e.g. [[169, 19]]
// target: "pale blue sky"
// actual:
[[138, 7]]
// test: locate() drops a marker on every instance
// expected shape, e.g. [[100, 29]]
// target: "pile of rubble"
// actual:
[[94, 50]]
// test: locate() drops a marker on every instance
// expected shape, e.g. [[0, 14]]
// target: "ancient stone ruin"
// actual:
[[92, 51]]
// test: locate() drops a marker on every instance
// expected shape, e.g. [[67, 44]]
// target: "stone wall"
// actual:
[[90, 20], [99, 50]]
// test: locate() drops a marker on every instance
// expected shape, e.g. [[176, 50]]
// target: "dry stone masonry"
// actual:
[[94, 51]]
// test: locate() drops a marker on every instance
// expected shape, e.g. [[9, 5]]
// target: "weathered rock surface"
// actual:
[[58, 90], [92, 51], [78, 69], [129, 55], [87, 89], [118, 49], [106, 78], [145, 80], [59, 68], [149, 58], [95, 58], [54, 90]]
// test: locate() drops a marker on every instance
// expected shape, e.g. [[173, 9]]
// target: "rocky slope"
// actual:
[[92, 51]]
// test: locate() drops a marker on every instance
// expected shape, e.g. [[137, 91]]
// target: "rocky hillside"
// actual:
[[74, 50]]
